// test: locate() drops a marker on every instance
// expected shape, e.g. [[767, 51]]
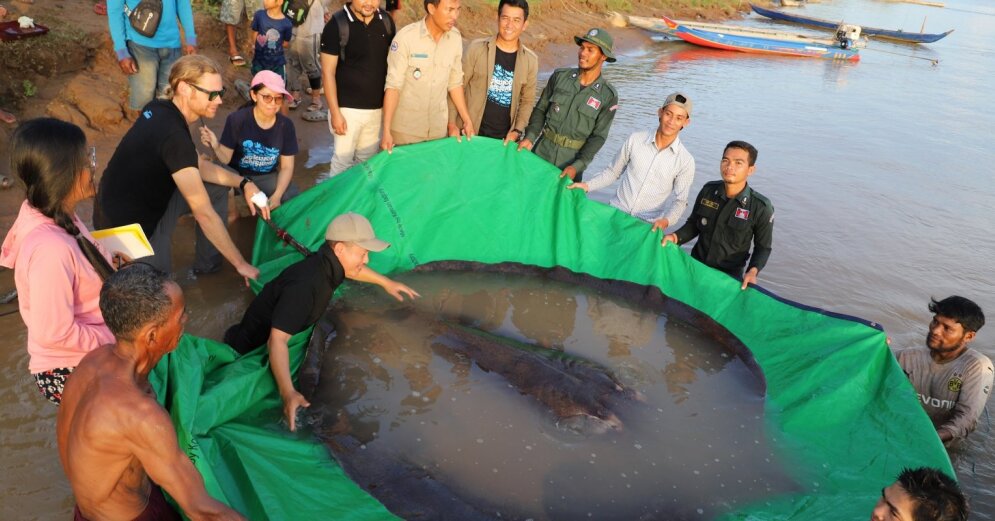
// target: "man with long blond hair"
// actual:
[[155, 175]]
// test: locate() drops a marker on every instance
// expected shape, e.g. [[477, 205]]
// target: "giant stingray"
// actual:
[[579, 398]]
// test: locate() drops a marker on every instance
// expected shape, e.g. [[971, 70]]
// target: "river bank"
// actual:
[[71, 73]]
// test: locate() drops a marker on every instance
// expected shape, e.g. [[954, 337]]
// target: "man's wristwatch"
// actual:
[[241, 186]]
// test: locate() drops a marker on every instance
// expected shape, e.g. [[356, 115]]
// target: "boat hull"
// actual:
[[730, 41], [900, 36]]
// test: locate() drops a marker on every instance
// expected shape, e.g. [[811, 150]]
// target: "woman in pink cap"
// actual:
[[258, 141]]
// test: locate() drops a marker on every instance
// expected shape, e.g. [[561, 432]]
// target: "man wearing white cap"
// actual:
[[298, 296], [652, 165]]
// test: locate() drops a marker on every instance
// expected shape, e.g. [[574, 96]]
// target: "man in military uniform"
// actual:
[[729, 215], [570, 122]]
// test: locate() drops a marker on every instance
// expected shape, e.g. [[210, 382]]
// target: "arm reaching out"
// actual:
[[392, 287]]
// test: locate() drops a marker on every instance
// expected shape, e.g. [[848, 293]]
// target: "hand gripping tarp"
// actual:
[[840, 412]]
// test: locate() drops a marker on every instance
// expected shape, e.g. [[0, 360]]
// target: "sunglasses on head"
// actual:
[[211, 94]]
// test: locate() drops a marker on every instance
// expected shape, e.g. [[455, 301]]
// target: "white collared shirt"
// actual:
[[650, 176]]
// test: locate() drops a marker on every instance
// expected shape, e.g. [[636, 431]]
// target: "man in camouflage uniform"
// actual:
[[570, 122]]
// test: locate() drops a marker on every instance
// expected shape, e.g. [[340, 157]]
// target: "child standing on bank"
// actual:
[[271, 31]]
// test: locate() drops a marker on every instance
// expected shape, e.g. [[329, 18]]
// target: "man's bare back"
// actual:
[[114, 437]]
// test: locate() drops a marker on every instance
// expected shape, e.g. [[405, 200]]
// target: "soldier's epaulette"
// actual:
[[762, 198]]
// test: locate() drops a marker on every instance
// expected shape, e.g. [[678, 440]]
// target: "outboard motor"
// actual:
[[848, 35]]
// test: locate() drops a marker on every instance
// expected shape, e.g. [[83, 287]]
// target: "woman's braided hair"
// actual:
[[48, 155]]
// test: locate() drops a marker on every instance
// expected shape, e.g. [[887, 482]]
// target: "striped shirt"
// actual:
[[650, 176]]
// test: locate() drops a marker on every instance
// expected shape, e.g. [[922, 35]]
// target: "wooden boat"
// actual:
[[901, 36], [767, 41], [659, 26], [919, 2]]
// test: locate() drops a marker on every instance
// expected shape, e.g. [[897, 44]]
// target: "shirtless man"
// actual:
[[114, 438]]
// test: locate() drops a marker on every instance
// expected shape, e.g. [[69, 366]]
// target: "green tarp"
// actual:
[[841, 413]]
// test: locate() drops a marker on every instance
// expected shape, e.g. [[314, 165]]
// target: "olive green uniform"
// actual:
[[726, 227], [570, 122]]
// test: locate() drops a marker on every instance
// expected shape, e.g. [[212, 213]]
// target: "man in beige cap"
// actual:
[[298, 296], [570, 122], [652, 165]]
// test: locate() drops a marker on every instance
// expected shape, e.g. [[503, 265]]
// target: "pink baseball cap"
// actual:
[[271, 81]]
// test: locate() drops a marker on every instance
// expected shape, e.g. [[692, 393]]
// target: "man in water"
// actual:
[[116, 443], [728, 216], [652, 166], [298, 296], [570, 122], [499, 76], [953, 380], [922, 494]]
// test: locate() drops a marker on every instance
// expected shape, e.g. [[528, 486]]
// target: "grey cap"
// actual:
[[680, 100], [354, 228]]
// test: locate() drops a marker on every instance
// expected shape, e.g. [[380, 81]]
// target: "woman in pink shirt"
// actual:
[[58, 269]]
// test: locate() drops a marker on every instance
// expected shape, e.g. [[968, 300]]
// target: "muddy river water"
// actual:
[[880, 172], [684, 437]]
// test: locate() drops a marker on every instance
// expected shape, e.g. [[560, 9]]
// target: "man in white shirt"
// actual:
[[652, 165]]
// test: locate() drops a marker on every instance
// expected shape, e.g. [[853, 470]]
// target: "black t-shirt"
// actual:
[[360, 77], [257, 150], [496, 121], [291, 302], [138, 182]]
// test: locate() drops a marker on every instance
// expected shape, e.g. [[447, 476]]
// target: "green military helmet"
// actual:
[[602, 39]]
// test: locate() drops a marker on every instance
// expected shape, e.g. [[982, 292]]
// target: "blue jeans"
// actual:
[[152, 77]]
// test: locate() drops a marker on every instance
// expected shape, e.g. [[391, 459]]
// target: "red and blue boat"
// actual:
[[845, 46], [873, 32]]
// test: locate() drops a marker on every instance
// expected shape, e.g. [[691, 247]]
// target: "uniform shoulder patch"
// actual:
[[393, 46]]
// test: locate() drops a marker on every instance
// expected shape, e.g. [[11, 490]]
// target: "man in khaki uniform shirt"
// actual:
[[423, 65], [499, 78]]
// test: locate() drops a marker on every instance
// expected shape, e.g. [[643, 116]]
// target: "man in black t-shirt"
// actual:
[[297, 297], [154, 176], [353, 78], [499, 78]]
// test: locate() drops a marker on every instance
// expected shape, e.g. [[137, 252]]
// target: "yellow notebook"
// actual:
[[128, 239]]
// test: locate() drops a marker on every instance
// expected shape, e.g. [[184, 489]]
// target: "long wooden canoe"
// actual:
[[901, 36], [764, 41]]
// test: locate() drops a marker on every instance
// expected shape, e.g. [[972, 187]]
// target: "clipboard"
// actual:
[[128, 239]]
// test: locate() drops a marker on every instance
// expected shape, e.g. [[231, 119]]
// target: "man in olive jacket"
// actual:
[[499, 78]]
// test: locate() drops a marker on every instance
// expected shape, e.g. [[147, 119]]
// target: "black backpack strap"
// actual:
[[342, 19], [388, 23]]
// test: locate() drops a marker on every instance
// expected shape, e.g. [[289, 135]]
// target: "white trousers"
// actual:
[[360, 142]]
